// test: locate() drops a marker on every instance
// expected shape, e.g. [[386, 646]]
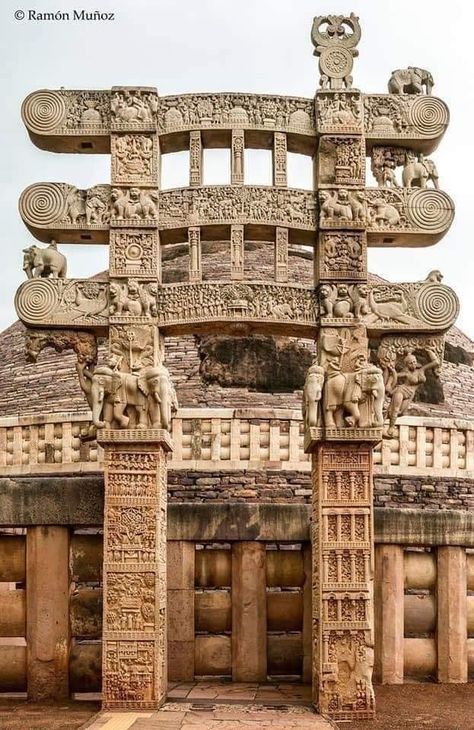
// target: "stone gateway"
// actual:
[[353, 394]]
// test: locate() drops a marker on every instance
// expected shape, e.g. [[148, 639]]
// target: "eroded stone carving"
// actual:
[[312, 394], [411, 80], [44, 262], [336, 48], [84, 344]]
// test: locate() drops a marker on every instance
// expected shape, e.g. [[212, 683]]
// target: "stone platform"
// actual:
[[222, 706]]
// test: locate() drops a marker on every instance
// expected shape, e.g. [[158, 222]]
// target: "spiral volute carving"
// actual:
[[43, 204], [431, 210], [429, 115], [35, 300], [437, 305], [44, 111]]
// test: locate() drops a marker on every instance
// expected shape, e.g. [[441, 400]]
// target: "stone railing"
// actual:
[[213, 439]]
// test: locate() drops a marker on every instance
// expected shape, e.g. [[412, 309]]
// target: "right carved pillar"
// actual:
[[452, 614]]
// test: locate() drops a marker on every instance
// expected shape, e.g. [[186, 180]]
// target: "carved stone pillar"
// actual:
[[237, 252], [134, 633], [342, 424], [133, 426], [342, 542], [237, 157], [194, 240], [281, 254], [279, 160], [195, 158]]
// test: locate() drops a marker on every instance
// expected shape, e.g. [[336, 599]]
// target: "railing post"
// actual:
[[47, 612], [389, 614]]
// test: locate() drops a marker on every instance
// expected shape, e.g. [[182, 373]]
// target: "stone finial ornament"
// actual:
[[335, 38]]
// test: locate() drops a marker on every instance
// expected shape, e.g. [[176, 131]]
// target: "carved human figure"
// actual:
[[76, 206], [44, 262], [312, 393], [403, 386]]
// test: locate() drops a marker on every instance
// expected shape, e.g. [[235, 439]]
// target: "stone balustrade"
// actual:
[[215, 439]]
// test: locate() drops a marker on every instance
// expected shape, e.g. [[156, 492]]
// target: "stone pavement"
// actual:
[[222, 706]]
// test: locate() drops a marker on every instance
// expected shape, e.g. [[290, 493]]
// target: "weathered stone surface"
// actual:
[[47, 595], [388, 607], [249, 621], [452, 614]]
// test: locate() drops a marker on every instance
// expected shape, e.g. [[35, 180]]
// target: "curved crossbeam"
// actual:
[[263, 306], [82, 121], [408, 216]]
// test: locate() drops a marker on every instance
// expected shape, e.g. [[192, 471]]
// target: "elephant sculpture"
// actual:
[[312, 392], [115, 397], [355, 399], [417, 172], [155, 382], [44, 262], [410, 80]]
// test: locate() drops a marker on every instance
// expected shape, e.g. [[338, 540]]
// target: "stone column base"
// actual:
[[342, 544], [134, 671]]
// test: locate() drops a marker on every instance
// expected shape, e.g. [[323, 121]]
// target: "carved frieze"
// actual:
[[202, 111], [339, 112], [390, 116], [385, 116], [417, 306], [246, 204], [63, 302], [65, 113], [179, 304], [408, 210], [133, 108]]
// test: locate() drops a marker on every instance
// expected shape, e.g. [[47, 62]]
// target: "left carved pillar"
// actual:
[[47, 612], [134, 633], [134, 420]]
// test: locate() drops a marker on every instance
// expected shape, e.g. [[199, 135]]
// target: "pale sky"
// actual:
[[258, 46]]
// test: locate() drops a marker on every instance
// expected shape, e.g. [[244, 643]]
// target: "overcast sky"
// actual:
[[259, 46]]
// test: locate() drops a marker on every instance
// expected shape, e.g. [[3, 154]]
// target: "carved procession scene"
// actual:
[[376, 342]]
